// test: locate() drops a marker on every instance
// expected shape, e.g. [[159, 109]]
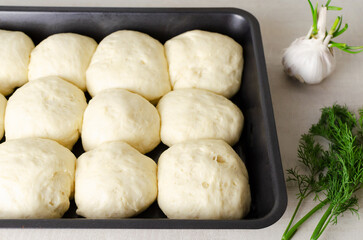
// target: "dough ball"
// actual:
[[114, 180], [2, 114], [119, 115], [48, 108], [36, 178], [194, 114], [206, 60], [66, 55], [203, 179], [130, 60], [15, 48]]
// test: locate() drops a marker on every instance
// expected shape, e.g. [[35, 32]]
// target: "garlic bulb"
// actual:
[[308, 60]]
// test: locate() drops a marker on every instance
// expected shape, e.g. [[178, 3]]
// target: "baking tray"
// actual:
[[258, 145]]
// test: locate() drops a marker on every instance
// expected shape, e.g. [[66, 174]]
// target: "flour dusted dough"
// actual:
[[66, 55], [48, 108], [114, 180], [203, 179], [130, 60], [15, 48], [117, 114], [193, 114], [36, 178], [206, 60], [2, 114]]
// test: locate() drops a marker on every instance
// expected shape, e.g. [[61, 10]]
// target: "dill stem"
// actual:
[[326, 224], [303, 196], [292, 231], [321, 223], [293, 216]]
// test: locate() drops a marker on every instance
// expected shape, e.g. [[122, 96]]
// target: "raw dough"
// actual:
[[114, 180], [117, 114], [66, 55], [206, 60], [203, 179], [15, 48], [36, 178], [130, 60], [48, 108], [2, 114], [194, 113]]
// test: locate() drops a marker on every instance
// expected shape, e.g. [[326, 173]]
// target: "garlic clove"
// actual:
[[308, 60]]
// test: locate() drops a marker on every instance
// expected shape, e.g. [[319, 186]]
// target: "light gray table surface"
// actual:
[[296, 107]]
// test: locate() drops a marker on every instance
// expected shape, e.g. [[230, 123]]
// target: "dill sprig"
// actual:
[[311, 156], [334, 174]]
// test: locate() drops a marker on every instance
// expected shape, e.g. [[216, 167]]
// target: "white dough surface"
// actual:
[[48, 108], [119, 115], [15, 48], [114, 180], [206, 60], [36, 178], [188, 114], [130, 60], [66, 55], [203, 179]]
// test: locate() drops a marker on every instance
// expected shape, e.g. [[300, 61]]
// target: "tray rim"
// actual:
[[280, 204]]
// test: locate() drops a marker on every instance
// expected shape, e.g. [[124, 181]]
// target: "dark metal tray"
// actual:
[[258, 145]]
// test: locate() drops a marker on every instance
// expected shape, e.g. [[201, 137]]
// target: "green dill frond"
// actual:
[[331, 119], [312, 156], [333, 175], [310, 153], [302, 181], [350, 205], [345, 174]]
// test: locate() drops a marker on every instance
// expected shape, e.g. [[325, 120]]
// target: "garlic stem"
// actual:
[[315, 19], [331, 32], [322, 23], [335, 25], [327, 40], [309, 33]]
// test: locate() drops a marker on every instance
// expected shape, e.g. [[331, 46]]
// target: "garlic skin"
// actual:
[[308, 60]]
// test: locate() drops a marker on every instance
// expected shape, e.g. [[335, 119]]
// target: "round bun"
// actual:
[[203, 179], [48, 108], [130, 60], [205, 60], [2, 114], [15, 48], [188, 114], [114, 181], [36, 178], [66, 55], [119, 115]]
